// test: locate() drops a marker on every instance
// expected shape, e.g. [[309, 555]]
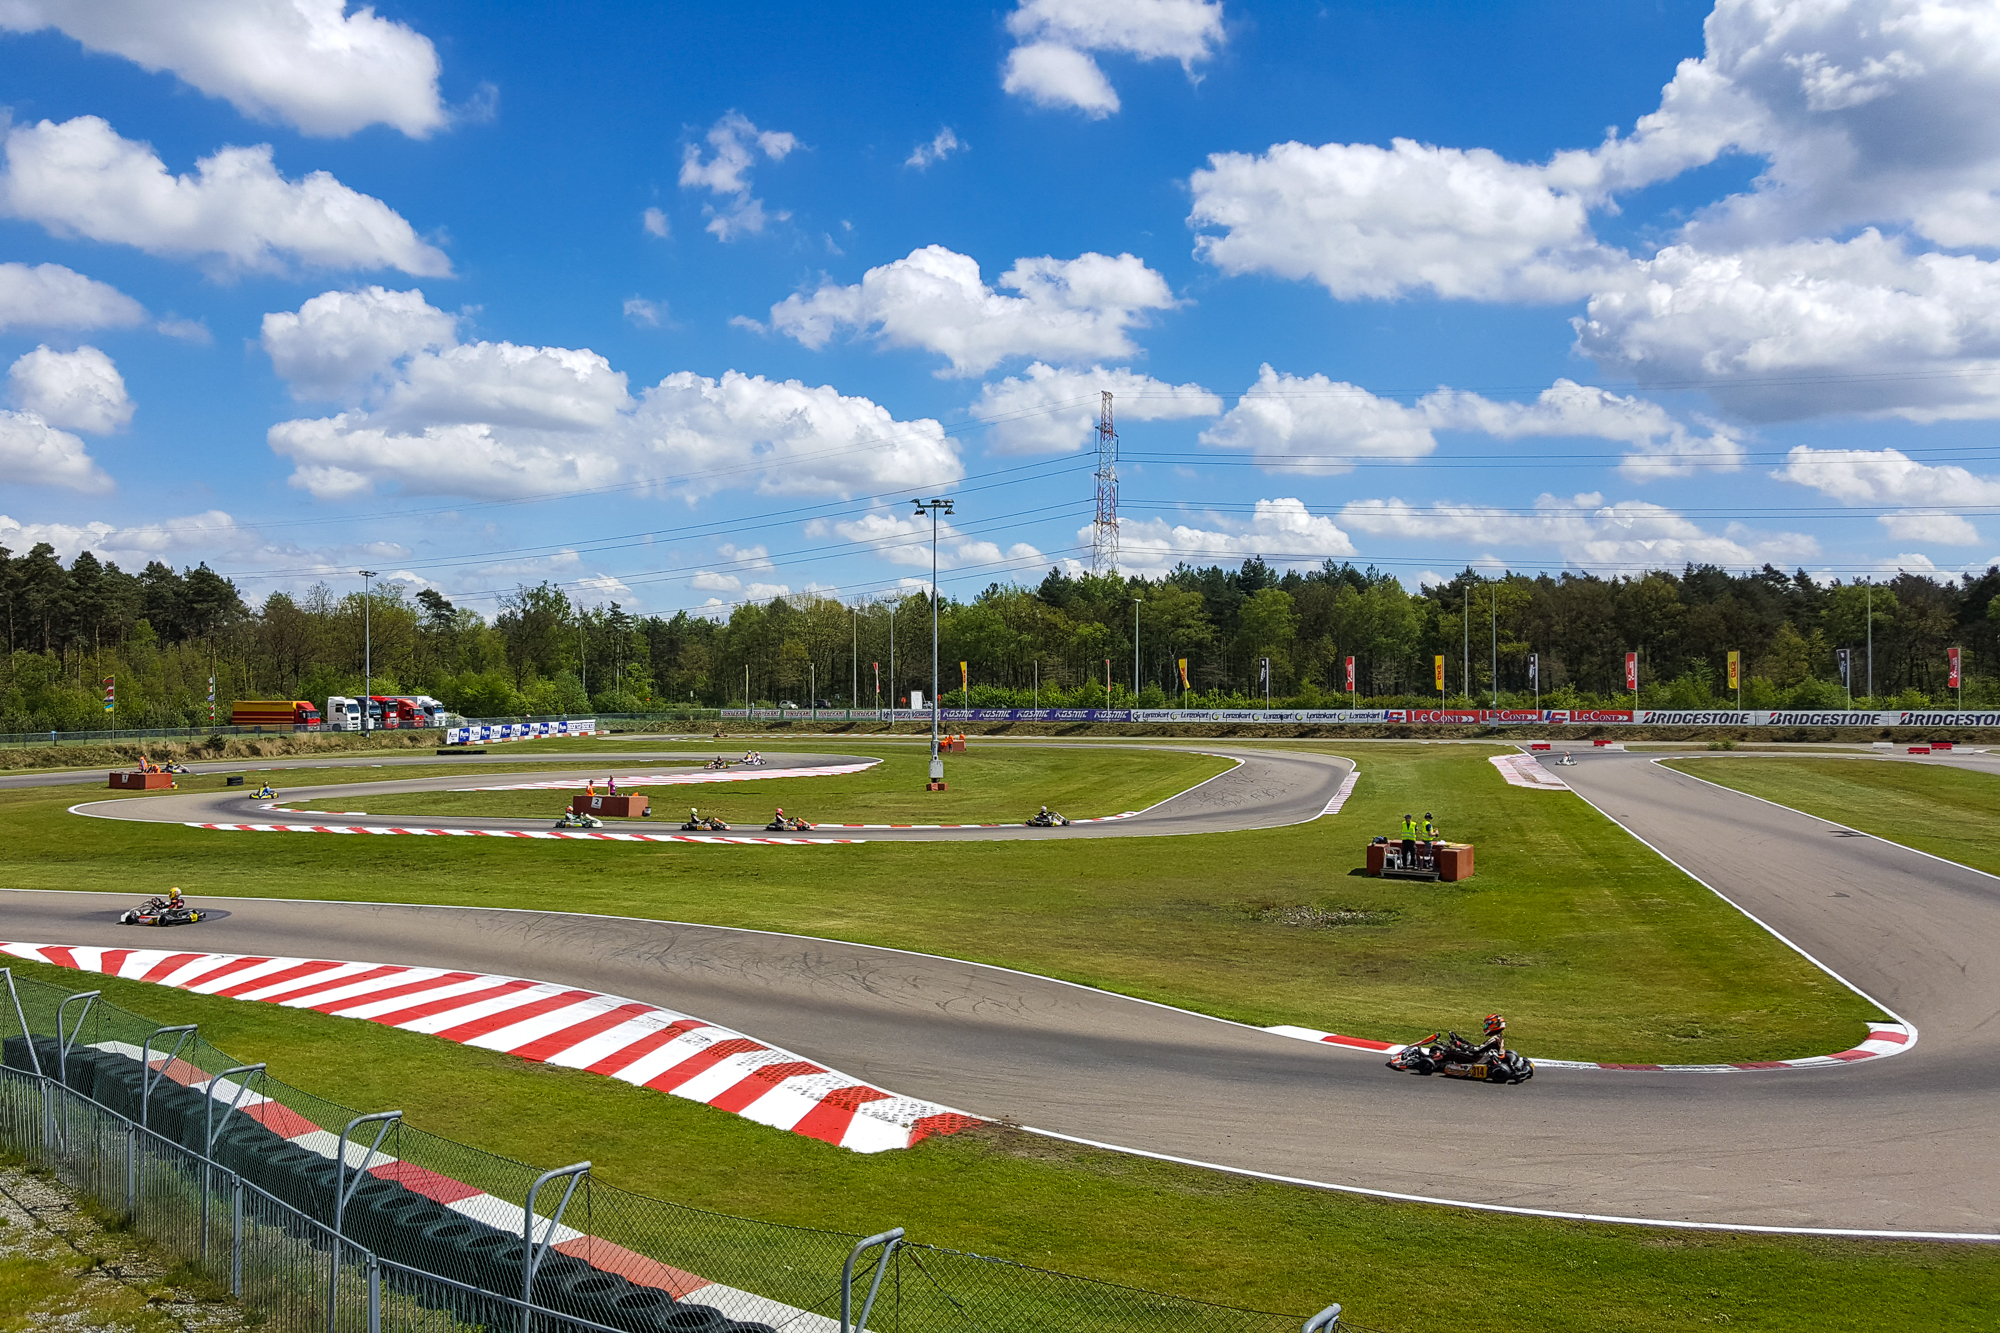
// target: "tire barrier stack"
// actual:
[[381, 1215]]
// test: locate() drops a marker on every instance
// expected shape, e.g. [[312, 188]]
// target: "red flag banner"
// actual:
[[1632, 672], [1350, 675], [1952, 656]]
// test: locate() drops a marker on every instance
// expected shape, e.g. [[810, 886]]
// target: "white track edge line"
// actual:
[[1856, 1233]]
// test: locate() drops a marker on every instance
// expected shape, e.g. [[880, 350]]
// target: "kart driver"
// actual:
[[1487, 1051]]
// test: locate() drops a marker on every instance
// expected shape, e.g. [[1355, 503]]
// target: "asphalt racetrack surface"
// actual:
[[1898, 1145], [1267, 788]]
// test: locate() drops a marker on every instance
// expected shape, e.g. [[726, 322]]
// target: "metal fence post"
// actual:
[[341, 1189], [147, 1078], [34, 1056], [66, 1040], [888, 1240], [131, 1170], [236, 1235], [211, 1131], [374, 1295], [1326, 1321], [532, 1254]]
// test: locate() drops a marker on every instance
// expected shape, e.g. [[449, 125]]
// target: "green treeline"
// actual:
[[162, 633]]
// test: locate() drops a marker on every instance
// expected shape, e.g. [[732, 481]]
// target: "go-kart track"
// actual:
[[1875, 1146]]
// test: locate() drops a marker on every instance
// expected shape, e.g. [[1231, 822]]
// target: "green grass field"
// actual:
[[1101, 1214], [1593, 946], [985, 785], [1937, 808]]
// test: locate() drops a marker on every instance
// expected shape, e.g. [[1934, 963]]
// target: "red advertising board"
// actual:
[[1600, 715], [1452, 716], [1512, 715]]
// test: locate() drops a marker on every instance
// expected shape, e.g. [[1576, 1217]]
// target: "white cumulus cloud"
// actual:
[[725, 172], [1071, 310], [1587, 532], [1283, 530], [1836, 281], [942, 145], [1046, 410], [1052, 65], [236, 212], [430, 414], [902, 539], [49, 296], [34, 453], [1364, 221], [79, 390], [655, 223], [1314, 424], [306, 63]]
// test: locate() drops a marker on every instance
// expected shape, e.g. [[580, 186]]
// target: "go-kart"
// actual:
[[1049, 819], [157, 911], [716, 765], [752, 760], [703, 824], [1448, 1054], [264, 793], [171, 767], [576, 819], [788, 824]]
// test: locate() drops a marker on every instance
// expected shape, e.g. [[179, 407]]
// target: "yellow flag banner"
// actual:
[[964, 682], [1184, 679], [1437, 666], [1735, 670]]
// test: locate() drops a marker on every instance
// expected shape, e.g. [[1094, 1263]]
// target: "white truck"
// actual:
[[342, 714]]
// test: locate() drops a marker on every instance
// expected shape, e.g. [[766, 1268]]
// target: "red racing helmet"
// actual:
[[1495, 1025]]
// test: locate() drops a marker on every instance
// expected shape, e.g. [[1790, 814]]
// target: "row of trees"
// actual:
[[1067, 642]]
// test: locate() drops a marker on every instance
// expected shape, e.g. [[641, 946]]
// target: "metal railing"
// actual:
[[321, 1245]]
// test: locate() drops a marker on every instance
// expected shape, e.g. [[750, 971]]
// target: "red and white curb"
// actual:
[[1522, 770], [1884, 1039], [475, 1203], [624, 1039], [562, 835], [1340, 797], [691, 779]]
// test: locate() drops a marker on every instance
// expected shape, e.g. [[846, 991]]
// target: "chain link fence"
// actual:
[[242, 1176]]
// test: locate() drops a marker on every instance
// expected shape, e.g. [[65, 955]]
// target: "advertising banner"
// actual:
[[1437, 673], [1831, 718], [1942, 719], [1658, 717], [1600, 715], [1735, 669], [1632, 672], [1951, 678], [1350, 675], [518, 731]]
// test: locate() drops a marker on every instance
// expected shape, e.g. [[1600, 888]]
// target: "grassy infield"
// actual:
[[1579, 933]]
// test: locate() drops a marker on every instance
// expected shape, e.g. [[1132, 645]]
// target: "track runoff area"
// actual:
[[1889, 1138]]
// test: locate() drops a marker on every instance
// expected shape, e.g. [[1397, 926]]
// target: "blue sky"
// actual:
[[678, 305]]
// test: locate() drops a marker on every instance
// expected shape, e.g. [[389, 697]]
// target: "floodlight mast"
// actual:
[[934, 508], [367, 652]]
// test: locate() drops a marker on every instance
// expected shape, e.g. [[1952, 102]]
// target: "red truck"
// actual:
[[277, 714], [397, 712]]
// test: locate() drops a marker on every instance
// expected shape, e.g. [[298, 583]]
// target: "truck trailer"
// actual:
[[277, 714]]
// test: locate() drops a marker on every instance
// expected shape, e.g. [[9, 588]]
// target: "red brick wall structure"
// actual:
[[1454, 861], [140, 781], [615, 807]]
